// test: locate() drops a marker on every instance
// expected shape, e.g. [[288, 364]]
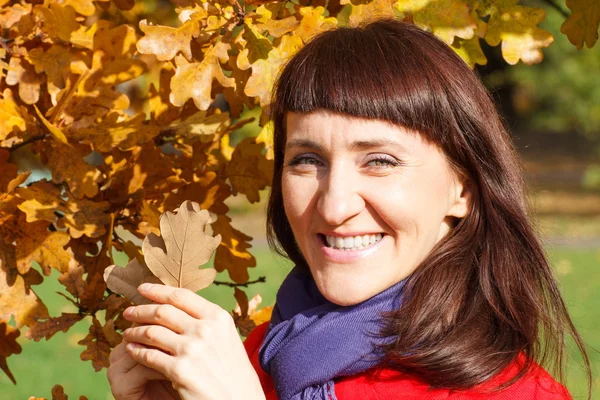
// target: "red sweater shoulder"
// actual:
[[536, 384]]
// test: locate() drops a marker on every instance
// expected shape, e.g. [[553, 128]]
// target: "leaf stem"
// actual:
[[28, 141], [261, 279], [557, 7]]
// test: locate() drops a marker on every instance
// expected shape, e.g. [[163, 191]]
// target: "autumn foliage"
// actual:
[[130, 106]]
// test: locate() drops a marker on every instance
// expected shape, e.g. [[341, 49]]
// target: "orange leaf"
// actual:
[[249, 171], [8, 347], [232, 254], [17, 298], [165, 42]]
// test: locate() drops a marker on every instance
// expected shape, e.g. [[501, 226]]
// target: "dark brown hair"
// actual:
[[486, 292]]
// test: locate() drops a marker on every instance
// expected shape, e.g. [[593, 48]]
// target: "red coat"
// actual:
[[537, 384]]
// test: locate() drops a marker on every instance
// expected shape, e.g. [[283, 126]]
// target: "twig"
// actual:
[[26, 142], [261, 279], [557, 7]]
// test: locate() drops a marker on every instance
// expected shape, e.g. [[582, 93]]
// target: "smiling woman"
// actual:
[[398, 195]]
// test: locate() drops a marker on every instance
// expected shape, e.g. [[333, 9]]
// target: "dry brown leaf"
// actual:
[[46, 329], [184, 246], [173, 258], [125, 281], [97, 346]]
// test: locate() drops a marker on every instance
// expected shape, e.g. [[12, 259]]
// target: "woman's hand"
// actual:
[[130, 380], [193, 343]]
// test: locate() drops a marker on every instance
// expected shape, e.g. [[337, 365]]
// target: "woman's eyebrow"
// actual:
[[356, 145], [376, 143], [304, 143]]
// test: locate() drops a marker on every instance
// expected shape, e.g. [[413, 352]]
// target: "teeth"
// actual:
[[353, 242]]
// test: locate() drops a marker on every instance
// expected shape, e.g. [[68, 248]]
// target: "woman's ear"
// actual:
[[461, 201]]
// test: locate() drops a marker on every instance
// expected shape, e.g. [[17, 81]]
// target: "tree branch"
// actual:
[[26, 142], [261, 279], [557, 7]]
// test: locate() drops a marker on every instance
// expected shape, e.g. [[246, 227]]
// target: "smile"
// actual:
[[352, 242], [351, 254]]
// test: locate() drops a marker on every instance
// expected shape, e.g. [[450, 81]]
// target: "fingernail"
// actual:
[[144, 287]]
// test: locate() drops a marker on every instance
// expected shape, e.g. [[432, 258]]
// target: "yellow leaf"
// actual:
[[81, 216], [67, 164], [232, 254], [23, 74], [175, 256], [445, 19], [17, 298], [266, 137], [165, 42], [582, 25], [83, 7], [58, 21], [257, 47], [161, 110], [249, 171], [36, 243], [11, 115], [362, 13], [275, 27], [313, 22], [516, 27], [264, 72], [116, 131], [201, 124], [470, 51], [194, 81], [54, 131], [55, 63], [117, 42], [209, 191]]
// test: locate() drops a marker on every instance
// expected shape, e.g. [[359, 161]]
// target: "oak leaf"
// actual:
[[249, 171], [17, 298], [232, 254], [48, 328], [58, 21], [516, 27], [125, 281], [276, 27], [97, 346], [195, 80], [264, 72], [165, 42], [447, 20], [581, 27], [313, 22], [175, 256], [8, 347], [23, 74], [362, 13], [34, 242], [12, 116]]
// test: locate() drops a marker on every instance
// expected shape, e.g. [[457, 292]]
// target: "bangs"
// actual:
[[368, 73]]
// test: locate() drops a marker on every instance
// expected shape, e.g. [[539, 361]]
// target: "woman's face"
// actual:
[[366, 200]]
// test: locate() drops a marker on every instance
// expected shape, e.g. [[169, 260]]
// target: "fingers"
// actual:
[[155, 336], [152, 358], [159, 314], [184, 299]]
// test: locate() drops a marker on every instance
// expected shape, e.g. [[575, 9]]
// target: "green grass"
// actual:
[[44, 364]]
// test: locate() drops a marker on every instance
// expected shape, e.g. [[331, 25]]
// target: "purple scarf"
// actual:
[[311, 341]]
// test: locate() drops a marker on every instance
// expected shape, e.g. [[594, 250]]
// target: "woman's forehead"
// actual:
[[327, 129]]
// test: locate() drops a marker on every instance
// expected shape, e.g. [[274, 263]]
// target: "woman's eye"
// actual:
[[304, 160], [382, 162]]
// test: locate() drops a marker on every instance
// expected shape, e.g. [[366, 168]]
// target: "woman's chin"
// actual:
[[345, 292]]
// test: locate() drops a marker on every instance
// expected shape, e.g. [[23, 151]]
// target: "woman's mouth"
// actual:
[[350, 243]]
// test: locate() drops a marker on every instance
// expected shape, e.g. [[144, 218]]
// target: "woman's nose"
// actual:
[[339, 197]]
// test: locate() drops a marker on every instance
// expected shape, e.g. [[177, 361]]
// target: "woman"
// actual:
[[398, 196]]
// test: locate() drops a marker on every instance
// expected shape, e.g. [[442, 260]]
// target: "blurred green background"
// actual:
[[553, 112]]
